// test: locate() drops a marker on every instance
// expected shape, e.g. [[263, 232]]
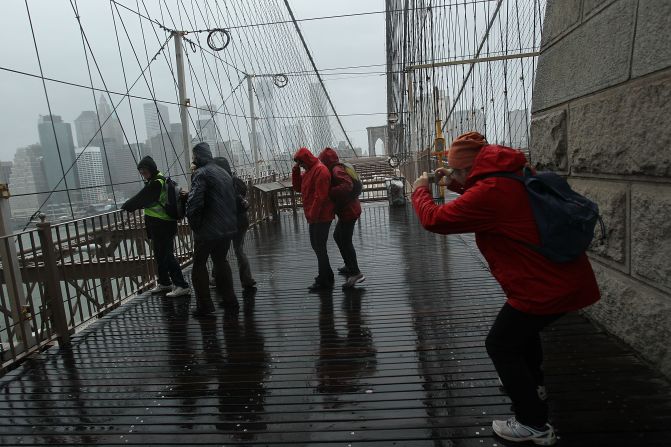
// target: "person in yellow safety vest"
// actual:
[[161, 229]]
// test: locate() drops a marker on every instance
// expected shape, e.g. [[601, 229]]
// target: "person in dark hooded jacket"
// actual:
[[314, 186], [212, 215], [246, 278], [161, 228], [348, 210], [539, 291]]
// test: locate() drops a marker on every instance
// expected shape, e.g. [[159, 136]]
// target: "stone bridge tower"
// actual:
[[377, 133], [602, 116]]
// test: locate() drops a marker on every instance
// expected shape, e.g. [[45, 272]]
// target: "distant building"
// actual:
[[463, 121], [517, 131], [5, 171], [206, 127], [168, 153], [28, 181], [321, 126], [59, 157], [156, 118], [86, 128], [91, 175], [294, 137]]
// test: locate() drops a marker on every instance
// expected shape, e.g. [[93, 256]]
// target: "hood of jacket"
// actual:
[[305, 156], [202, 154], [149, 164], [494, 158], [223, 163], [329, 157]]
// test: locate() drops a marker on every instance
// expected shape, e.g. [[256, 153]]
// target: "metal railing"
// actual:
[[55, 279]]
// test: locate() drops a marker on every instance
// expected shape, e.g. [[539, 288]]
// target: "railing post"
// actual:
[[12, 273], [54, 297]]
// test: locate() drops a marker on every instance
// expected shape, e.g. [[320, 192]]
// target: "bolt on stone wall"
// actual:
[[602, 116]]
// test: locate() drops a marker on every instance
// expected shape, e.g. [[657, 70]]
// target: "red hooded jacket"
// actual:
[[314, 186], [347, 207], [498, 211]]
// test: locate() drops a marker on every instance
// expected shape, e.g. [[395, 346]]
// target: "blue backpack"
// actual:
[[565, 219]]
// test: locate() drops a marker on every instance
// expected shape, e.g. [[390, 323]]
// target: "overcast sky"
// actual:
[[333, 42]]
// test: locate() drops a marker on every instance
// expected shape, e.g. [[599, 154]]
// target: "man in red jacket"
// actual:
[[314, 185], [348, 210], [538, 290]]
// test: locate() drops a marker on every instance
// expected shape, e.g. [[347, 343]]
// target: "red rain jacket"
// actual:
[[347, 207], [314, 186], [498, 211]]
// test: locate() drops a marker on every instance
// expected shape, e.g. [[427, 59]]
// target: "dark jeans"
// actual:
[[169, 271], [343, 238], [218, 249], [246, 278], [319, 235], [514, 345]]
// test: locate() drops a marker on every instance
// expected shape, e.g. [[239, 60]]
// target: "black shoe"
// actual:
[[344, 270], [201, 315], [317, 286]]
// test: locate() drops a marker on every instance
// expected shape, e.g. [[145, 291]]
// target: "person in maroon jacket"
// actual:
[[538, 290], [348, 210], [314, 186]]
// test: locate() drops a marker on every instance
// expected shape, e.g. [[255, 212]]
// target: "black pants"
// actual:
[[245, 270], [343, 238], [319, 235], [514, 345], [169, 271], [218, 249], [246, 278]]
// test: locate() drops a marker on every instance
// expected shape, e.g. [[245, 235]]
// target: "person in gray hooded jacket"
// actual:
[[212, 214]]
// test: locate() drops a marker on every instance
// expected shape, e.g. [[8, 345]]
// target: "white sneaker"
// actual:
[[160, 288], [178, 291], [511, 430]]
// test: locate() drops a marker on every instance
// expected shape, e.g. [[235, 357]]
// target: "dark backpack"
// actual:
[[565, 219], [174, 205], [357, 184]]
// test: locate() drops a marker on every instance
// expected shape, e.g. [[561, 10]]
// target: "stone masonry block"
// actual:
[[638, 315], [651, 233], [560, 15], [548, 141], [592, 57], [590, 5], [624, 130], [612, 200], [652, 46]]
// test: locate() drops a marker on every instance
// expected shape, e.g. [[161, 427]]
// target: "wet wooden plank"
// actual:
[[401, 361]]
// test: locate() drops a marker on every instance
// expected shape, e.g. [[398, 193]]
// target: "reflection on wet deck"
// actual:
[[400, 361]]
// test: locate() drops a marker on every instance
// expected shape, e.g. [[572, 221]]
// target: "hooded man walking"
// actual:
[[161, 229], [212, 216], [539, 291], [314, 185], [348, 210]]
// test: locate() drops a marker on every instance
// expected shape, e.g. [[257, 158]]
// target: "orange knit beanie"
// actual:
[[464, 149]]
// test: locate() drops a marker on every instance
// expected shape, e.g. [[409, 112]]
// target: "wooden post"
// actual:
[[52, 287]]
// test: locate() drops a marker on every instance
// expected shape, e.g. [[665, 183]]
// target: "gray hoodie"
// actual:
[[211, 206]]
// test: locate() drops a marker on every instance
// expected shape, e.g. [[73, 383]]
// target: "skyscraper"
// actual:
[[206, 127], [91, 175], [27, 179], [517, 131], [156, 116], [294, 137], [59, 157], [321, 127], [112, 127], [5, 171], [86, 128]]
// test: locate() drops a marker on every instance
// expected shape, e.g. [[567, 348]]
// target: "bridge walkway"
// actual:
[[398, 361]]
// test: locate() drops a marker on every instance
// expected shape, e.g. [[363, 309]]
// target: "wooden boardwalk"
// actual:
[[400, 361]]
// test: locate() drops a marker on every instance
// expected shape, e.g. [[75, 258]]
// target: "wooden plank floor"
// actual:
[[400, 361]]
